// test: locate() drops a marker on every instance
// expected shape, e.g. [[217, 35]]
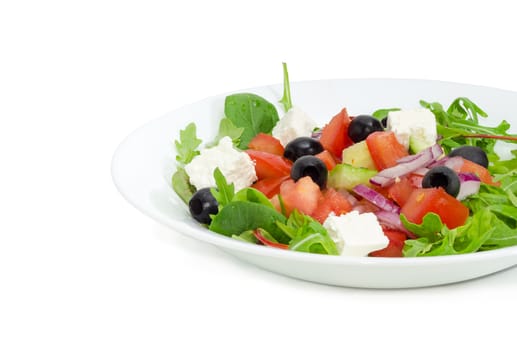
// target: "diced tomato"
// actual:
[[266, 143], [331, 201], [334, 135], [327, 158], [394, 248], [270, 186], [416, 180], [269, 165], [303, 195], [401, 190], [424, 200], [276, 203], [385, 149], [480, 171]]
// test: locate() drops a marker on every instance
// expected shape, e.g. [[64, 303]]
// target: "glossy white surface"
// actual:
[[144, 163], [82, 269]]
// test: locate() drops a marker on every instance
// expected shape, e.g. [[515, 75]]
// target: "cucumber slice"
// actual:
[[358, 156], [417, 143], [346, 176]]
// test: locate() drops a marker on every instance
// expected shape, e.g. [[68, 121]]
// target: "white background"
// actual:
[[80, 268]]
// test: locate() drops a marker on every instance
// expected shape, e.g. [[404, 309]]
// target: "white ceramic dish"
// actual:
[[144, 162]]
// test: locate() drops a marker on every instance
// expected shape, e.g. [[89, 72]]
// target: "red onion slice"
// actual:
[[469, 185], [316, 134], [409, 158], [407, 165], [392, 221], [421, 171], [453, 163], [349, 197], [376, 198]]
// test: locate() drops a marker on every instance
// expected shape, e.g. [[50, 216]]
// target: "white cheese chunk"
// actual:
[[356, 234], [295, 123], [236, 166], [419, 123]]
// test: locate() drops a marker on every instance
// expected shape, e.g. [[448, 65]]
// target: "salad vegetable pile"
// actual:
[[393, 183]]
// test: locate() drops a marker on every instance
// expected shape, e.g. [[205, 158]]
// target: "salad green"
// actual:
[[249, 215], [251, 113]]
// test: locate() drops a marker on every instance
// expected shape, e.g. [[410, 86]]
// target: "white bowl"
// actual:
[[144, 162]]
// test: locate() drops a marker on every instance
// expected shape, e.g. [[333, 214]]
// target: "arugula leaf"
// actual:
[[252, 113], [430, 227], [502, 236], [286, 98], [472, 235], [491, 197], [440, 114], [469, 238], [187, 144], [314, 242], [463, 108], [224, 192], [182, 186], [459, 125], [383, 113], [501, 203], [227, 128], [294, 222], [416, 247], [308, 235]]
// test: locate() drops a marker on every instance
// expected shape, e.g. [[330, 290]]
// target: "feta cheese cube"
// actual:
[[416, 123], [356, 234], [236, 166], [293, 124]]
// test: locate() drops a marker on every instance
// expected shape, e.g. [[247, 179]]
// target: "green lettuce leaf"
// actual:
[[224, 192], [237, 217], [308, 235], [430, 227], [469, 238], [227, 128], [252, 113], [187, 145], [182, 186]]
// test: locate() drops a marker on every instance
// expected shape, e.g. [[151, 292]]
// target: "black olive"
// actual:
[[302, 146], [384, 122], [442, 176], [362, 126], [202, 204], [472, 153], [310, 166]]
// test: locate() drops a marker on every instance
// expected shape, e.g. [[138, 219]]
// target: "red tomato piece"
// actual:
[[401, 190], [327, 158], [480, 171], [269, 165], [334, 135], [270, 186], [395, 246], [331, 201], [424, 200], [416, 180], [266, 143], [303, 195], [385, 149]]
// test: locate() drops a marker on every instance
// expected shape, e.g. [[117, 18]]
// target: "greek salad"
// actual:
[[388, 183]]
